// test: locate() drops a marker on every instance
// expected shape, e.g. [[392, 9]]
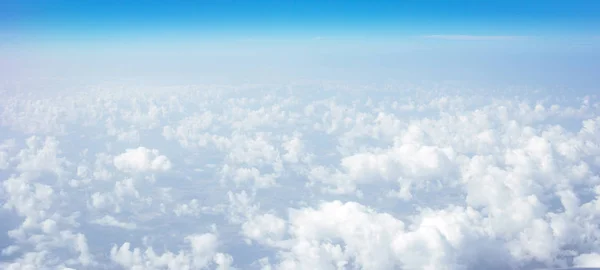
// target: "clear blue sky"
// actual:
[[546, 41], [296, 18]]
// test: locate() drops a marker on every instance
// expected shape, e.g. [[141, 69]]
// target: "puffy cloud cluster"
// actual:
[[330, 177], [142, 159], [201, 255]]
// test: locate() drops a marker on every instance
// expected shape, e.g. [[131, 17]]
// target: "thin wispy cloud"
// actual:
[[474, 37]]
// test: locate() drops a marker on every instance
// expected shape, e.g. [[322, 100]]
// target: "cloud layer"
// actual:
[[302, 176]]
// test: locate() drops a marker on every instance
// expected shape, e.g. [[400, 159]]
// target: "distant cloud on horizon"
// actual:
[[473, 37]]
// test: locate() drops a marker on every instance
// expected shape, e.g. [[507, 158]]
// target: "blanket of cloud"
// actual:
[[299, 176]]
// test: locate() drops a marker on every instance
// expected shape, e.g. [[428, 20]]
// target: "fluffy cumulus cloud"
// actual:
[[201, 254], [327, 176], [141, 159]]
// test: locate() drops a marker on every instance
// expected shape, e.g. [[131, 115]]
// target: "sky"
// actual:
[[519, 42], [289, 19], [291, 135]]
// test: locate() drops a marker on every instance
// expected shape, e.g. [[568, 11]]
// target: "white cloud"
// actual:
[[7, 251], [111, 221], [338, 234], [265, 228], [587, 260], [406, 163], [295, 151], [28, 200], [425, 179], [4, 160], [142, 159], [474, 37], [203, 248], [100, 200], [192, 208], [201, 255], [6, 148], [41, 155], [126, 188], [101, 170]]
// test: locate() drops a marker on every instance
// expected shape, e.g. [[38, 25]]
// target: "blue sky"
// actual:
[[511, 41], [71, 19]]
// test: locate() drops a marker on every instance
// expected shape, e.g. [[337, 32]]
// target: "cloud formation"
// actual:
[[141, 159], [331, 177]]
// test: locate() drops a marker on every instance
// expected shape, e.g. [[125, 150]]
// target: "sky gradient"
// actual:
[[511, 41], [68, 19]]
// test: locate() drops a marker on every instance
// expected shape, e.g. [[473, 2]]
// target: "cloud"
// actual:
[[474, 37], [326, 176], [265, 228], [111, 221], [142, 159], [41, 155], [201, 255], [587, 260]]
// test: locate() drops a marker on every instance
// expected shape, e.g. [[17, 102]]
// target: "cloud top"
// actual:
[[142, 159]]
